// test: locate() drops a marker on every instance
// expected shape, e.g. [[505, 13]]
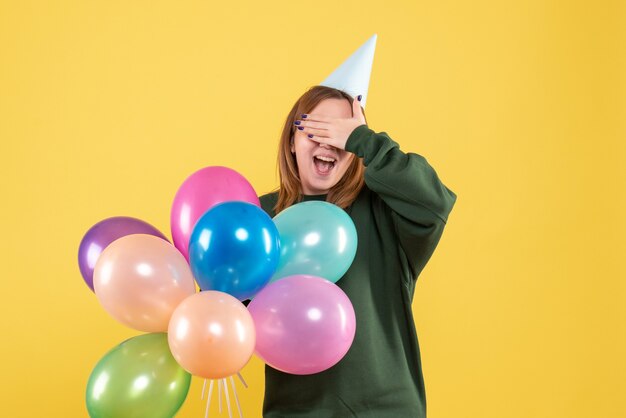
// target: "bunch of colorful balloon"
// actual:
[[298, 323]]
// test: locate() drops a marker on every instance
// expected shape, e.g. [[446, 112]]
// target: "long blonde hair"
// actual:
[[344, 193]]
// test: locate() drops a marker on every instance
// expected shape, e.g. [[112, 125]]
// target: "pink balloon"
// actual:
[[140, 279], [200, 192], [304, 324]]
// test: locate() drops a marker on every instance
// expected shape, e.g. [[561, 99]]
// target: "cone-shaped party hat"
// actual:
[[353, 76]]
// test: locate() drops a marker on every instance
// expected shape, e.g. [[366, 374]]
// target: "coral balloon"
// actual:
[[211, 335], [140, 280], [304, 324], [102, 234], [200, 192], [316, 238], [234, 248], [137, 379]]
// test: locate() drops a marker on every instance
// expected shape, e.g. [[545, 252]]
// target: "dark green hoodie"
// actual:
[[399, 215]]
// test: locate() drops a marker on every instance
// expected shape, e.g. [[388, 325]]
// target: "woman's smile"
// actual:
[[324, 163]]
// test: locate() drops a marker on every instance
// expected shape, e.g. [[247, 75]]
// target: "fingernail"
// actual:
[[297, 122], [304, 116], [359, 98], [301, 127], [310, 135]]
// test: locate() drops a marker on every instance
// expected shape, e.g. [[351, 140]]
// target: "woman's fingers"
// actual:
[[321, 133], [357, 110], [329, 130], [317, 117], [311, 124], [320, 140]]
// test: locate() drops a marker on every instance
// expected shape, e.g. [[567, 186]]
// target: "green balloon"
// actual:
[[316, 238], [138, 378]]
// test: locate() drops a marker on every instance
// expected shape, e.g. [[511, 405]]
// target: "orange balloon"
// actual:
[[211, 335], [140, 279]]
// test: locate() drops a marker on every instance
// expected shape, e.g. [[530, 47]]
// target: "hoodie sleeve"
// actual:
[[420, 203]]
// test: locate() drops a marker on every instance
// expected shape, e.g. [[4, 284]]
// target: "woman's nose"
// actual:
[[326, 146]]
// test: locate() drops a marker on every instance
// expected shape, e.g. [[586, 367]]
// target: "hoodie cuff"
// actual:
[[357, 141]]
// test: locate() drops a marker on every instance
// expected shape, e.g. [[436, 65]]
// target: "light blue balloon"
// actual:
[[234, 248], [316, 238]]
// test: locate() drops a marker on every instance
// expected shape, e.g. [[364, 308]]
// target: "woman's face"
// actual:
[[321, 166]]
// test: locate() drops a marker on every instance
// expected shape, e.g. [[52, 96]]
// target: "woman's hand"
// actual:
[[332, 131]]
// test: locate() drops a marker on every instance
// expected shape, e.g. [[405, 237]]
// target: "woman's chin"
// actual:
[[320, 186], [322, 182]]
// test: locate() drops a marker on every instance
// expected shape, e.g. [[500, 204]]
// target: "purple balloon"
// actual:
[[102, 234], [304, 324]]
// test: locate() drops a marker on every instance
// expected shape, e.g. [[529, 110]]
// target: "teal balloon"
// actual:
[[316, 238], [138, 378]]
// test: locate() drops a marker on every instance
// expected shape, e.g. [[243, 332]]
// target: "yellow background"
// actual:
[[107, 106]]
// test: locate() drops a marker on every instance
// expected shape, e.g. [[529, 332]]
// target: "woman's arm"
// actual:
[[419, 201]]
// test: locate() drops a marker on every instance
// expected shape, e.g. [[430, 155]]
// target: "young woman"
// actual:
[[399, 207]]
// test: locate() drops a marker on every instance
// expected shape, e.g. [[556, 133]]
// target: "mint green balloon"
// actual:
[[138, 378], [316, 238]]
